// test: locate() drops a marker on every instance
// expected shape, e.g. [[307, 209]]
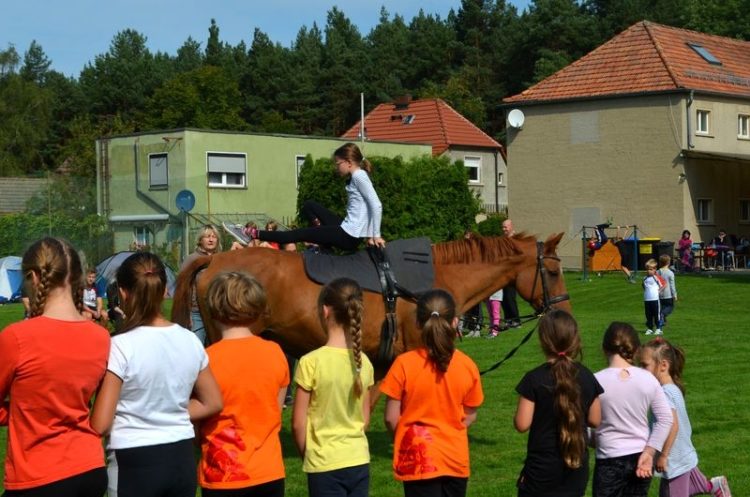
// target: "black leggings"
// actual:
[[165, 470], [328, 234], [89, 484]]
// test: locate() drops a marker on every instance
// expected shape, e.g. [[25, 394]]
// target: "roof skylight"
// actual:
[[703, 52]]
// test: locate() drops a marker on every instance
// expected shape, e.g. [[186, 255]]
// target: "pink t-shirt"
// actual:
[[629, 394]]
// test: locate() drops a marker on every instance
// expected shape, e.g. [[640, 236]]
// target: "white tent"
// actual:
[[105, 272], [11, 279]]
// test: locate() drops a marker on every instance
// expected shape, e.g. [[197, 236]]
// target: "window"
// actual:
[[703, 52], [500, 178], [744, 210], [299, 161], [474, 166], [157, 171], [226, 170], [702, 122], [743, 126], [704, 210], [142, 238]]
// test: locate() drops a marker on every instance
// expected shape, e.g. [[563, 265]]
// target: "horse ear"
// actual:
[[552, 241]]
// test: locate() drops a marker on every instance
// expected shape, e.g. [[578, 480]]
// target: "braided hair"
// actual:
[[344, 297], [54, 262]]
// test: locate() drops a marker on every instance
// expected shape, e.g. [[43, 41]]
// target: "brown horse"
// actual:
[[471, 270]]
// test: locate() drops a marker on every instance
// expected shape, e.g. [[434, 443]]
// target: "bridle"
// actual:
[[547, 302], [541, 275]]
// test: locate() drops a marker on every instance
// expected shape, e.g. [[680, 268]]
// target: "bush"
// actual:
[[425, 196], [492, 226]]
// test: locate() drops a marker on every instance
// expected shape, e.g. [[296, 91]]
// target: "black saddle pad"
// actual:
[[410, 261]]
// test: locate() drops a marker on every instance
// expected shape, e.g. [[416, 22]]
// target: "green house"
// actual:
[[232, 177]]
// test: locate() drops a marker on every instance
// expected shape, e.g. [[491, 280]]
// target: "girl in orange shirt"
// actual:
[[240, 446], [51, 364], [433, 395]]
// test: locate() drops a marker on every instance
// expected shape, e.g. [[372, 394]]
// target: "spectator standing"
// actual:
[[331, 404], [208, 243], [52, 363], [668, 294], [157, 382], [625, 443], [433, 396], [510, 307], [240, 446]]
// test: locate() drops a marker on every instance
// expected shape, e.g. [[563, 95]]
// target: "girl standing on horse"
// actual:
[[363, 210], [157, 382], [332, 408], [51, 365], [558, 400], [433, 395]]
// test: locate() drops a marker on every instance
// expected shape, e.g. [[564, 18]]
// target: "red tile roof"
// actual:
[[434, 122], [649, 57]]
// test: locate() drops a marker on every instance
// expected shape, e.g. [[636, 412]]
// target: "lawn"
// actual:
[[708, 323]]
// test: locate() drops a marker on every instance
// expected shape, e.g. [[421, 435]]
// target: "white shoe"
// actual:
[[649, 332], [658, 332], [720, 487]]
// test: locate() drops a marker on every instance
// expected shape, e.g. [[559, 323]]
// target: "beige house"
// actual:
[[650, 129]]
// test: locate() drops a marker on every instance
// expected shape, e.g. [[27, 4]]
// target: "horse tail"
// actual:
[[182, 301]]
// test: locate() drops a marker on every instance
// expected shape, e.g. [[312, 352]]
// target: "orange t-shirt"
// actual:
[[431, 439], [240, 446], [51, 369]]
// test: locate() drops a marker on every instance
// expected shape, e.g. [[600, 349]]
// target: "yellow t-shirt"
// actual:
[[335, 433]]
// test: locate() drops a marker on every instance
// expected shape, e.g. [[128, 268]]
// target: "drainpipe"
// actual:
[[497, 200], [689, 126]]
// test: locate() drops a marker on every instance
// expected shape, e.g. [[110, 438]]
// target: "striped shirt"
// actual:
[[363, 207]]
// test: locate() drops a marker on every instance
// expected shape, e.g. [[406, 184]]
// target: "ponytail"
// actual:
[[661, 350], [561, 343], [352, 153], [144, 279], [436, 311]]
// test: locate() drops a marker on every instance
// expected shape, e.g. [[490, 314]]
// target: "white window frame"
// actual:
[[744, 210], [702, 122], [704, 211], [474, 162], [500, 178], [219, 178], [142, 237], [299, 161], [743, 126], [153, 161]]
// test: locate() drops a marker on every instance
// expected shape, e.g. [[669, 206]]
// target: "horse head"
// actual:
[[539, 279]]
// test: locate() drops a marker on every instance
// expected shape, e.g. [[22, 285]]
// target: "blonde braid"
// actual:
[[355, 333], [42, 290]]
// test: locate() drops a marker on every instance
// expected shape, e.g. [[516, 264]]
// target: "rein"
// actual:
[[547, 303]]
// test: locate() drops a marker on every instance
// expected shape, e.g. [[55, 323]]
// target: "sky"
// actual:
[[73, 32]]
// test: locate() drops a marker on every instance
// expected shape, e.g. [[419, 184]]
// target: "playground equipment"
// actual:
[[608, 257]]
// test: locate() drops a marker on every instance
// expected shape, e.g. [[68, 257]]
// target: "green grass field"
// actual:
[[709, 322]]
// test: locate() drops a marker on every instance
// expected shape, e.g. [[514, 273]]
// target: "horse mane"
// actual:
[[484, 249]]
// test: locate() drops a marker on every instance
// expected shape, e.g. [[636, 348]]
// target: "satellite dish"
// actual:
[[185, 200], [515, 119]]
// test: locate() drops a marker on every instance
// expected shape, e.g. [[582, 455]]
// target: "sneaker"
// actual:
[[237, 231], [631, 279], [649, 332], [658, 332], [491, 335], [720, 487]]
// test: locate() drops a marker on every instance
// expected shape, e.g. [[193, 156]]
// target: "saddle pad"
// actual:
[[410, 261]]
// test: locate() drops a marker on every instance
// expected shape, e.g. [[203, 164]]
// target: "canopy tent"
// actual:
[[11, 279], [105, 273]]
